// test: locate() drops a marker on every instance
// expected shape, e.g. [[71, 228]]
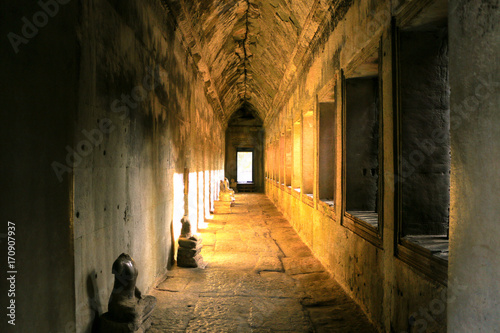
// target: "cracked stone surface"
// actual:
[[260, 277], [247, 50]]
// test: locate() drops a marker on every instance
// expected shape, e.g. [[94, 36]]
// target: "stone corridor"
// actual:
[[260, 277]]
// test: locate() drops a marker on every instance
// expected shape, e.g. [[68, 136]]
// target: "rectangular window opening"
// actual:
[[424, 156], [276, 161], [244, 167], [282, 159], [267, 161], [362, 148], [297, 149], [288, 157], [327, 111], [308, 153], [273, 161]]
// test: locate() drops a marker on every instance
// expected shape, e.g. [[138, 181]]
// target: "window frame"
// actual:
[[288, 162], [245, 150], [281, 143], [409, 252], [332, 151], [297, 156], [353, 223], [308, 150]]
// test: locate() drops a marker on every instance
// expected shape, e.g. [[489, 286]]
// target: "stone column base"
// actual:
[[222, 207]]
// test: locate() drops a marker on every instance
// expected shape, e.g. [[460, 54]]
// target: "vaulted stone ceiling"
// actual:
[[247, 50]]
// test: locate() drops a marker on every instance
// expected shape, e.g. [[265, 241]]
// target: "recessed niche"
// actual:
[[288, 157], [327, 151], [276, 161], [424, 120], [308, 153], [282, 159], [268, 164], [423, 138], [362, 147], [297, 149]]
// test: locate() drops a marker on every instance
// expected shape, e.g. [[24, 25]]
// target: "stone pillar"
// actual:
[[474, 264]]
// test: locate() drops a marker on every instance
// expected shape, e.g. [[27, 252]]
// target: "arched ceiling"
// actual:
[[247, 49]]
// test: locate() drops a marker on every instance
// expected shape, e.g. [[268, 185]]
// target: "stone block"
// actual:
[[191, 262], [222, 207], [183, 252], [187, 243], [189, 252]]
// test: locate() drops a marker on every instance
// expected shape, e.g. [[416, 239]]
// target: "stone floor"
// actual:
[[260, 278]]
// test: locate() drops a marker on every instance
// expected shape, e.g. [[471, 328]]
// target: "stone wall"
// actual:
[[106, 124], [474, 270], [163, 136], [388, 289], [39, 97]]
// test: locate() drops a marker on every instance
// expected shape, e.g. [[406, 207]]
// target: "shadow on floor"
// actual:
[[260, 278]]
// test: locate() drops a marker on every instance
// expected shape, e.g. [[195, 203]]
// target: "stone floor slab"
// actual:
[[260, 277], [302, 265], [270, 264]]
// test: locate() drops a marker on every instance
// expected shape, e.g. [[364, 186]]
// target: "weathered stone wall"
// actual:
[[110, 139], [390, 291], [138, 80], [474, 270], [39, 97]]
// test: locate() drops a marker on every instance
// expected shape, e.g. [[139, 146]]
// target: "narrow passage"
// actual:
[[260, 278]]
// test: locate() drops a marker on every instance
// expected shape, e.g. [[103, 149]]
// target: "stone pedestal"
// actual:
[[222, 207], [226, 197], [140, 324], [234, 185], [189, 252], [226, 193]]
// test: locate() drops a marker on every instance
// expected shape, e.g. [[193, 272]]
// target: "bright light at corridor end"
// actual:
[[244, 166]]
